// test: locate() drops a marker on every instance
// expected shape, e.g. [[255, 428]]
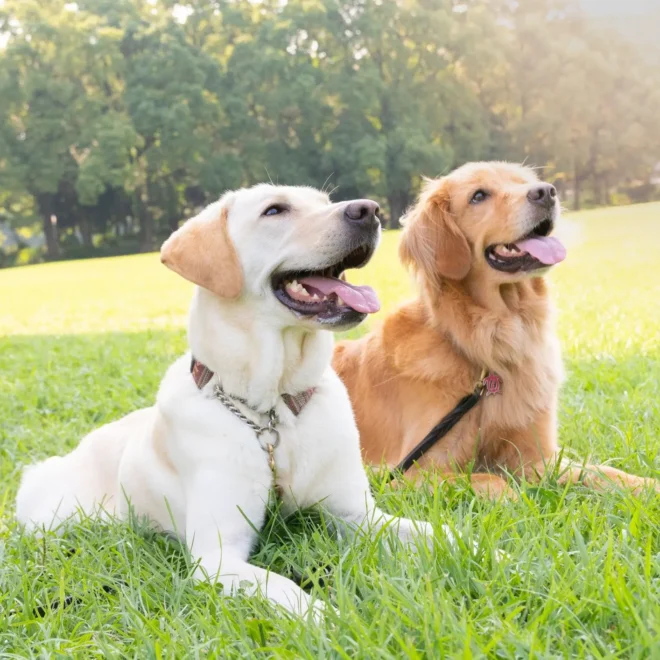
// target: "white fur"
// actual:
[[193, 467]]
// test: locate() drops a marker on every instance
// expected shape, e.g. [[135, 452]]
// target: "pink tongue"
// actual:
[[360, 298], [547, 249]]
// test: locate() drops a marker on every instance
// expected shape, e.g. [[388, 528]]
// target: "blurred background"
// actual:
[[120, 118]]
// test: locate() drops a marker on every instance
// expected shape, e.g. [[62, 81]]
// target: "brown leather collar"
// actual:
[[295, 402]]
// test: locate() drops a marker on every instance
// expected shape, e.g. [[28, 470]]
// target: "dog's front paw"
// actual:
[[301, 604], [314, 608], [414, 532]]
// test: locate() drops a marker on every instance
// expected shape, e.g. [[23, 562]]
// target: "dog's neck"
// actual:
[[494, 325], [251, 357]]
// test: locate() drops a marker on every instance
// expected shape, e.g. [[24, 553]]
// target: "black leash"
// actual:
[[446, 424]]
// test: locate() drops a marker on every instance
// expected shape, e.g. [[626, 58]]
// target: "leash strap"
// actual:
[[443, 427]]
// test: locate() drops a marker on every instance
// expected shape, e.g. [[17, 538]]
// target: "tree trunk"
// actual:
[[146, 220], [601, 189], [146, 232], [576, 191], [49, 224], [606, 186], [52, 237], [398, 202], [86, 231]]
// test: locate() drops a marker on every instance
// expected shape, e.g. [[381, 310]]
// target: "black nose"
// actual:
[[362, 212], [544, 195]]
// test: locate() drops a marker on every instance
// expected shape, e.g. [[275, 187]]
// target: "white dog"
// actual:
[[260, 408]]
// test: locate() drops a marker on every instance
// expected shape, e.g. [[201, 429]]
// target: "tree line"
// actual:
[[118, 118]]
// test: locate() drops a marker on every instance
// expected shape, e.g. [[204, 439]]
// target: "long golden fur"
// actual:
[[406, 375]]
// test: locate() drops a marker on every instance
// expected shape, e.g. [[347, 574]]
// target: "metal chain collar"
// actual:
[[273, 421]]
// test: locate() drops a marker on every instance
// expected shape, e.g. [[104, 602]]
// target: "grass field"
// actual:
[[82, 343]]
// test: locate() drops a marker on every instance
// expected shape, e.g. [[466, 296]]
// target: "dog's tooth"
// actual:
[[315, 297], [340, 302]]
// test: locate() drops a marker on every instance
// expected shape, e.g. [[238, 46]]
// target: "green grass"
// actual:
[[82, 343]]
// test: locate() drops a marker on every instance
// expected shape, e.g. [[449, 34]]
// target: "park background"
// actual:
[[120, 118]]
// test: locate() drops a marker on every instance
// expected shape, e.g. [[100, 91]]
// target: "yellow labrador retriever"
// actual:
[[260, 408]]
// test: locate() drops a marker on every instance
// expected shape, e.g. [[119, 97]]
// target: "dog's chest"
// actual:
[[313, 445], [298, 462], [529, 387]]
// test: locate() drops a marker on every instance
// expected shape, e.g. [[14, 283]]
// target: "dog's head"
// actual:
[[287, 247], [484, 220]]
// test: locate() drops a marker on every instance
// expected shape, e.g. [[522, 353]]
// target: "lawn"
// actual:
[[82, 343]]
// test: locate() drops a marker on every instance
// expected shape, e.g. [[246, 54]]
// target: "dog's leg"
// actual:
[[220, 535], [532, 451], [598, 477], [410, 532], [230, 568], [604, 477], [483, 484], [352, 502]]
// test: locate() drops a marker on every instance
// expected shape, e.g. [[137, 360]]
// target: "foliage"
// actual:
[[118, 118]]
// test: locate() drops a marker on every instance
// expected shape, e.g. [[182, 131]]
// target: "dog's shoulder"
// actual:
[[414, 346], [177, 383]]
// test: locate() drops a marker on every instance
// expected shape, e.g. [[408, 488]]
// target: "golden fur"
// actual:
[[406, 375]]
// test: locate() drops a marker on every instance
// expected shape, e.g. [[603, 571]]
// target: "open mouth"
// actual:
[[325, 294], [534, 251]]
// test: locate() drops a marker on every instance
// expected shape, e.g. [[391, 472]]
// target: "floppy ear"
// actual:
[[432, 241], [202, 252]]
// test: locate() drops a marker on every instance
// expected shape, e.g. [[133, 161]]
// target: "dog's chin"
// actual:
[[516, 269], [314, 296], [335, 320]]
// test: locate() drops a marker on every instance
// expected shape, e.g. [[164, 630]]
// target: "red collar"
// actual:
[[295, 402]]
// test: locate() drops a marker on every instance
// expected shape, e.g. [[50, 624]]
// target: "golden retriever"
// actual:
[[479, 242]]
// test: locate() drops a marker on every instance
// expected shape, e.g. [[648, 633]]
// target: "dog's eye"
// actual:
[[275, 209], [479, 197]]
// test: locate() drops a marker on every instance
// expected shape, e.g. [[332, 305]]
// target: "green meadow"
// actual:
[[84, 342]]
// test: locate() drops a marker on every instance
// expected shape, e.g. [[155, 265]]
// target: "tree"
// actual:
[[121, 117], [402, 109], [56, 109]]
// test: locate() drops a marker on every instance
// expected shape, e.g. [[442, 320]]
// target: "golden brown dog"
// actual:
[[479, 242]]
